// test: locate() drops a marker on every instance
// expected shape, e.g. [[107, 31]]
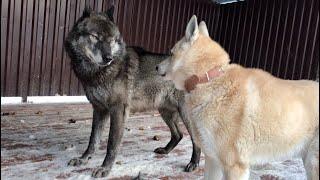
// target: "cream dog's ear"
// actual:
[[192, 30], [203, 28]]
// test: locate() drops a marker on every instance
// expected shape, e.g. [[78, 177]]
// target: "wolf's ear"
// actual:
[[203, 28], [110, 12], [192, 30], [86, 12]]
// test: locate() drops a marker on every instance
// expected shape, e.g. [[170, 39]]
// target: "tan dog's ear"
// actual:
[[192, 30], [203, 28]]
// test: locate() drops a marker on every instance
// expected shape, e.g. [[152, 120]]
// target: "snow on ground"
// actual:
[[39, 147], [44, 99]]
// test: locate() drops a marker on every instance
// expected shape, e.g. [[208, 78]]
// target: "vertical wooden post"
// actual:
[[24, 98]]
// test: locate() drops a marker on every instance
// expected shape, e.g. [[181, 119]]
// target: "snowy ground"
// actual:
[[37, 141]]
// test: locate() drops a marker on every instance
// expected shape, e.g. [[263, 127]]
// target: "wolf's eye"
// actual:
[[94, 36], [118, 40]]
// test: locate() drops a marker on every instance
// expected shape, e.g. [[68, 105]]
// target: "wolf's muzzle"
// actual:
[[161, 73]]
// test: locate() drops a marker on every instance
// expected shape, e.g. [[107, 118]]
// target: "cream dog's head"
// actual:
[[194, 54]]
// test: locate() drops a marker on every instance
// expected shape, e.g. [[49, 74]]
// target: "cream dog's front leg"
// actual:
[[212, 169]]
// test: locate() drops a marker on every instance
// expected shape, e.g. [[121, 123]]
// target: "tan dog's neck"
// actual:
[[191, 83], [209, 61], [207, 54]]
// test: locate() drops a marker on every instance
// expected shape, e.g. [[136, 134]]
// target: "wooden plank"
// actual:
[[261, 35], [13, 71], [288, 38], [256, 24], [25, 54], [65, 75], [91, 3], [274, 59], [267, 33], [9, 47], [172, 26], [294, 39], [60, 49], [314, 68], [28, 45], [128, 25], [237, 34], [39, 47], [4, 43], [143, 31], [82, 6], [284, 30], [303, 32], [77, 9], [56, 59], [33, 49], [314, 46], [48, 60], [243, 33], [44, 60], [220, 23], [246, 61], [232, 33], [73, 79], [21, 59], [77, 16], [161, 28], [217, 19], [100, 5], [155, 31], [116, 9], [225, 36], [137, 23], [181, 14], [306, 61]]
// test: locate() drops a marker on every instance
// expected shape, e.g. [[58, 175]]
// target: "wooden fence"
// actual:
[[281, 37]]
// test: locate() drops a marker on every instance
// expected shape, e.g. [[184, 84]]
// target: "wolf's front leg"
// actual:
[[171, 119], [194, 163], [99, 120], [118, 115]]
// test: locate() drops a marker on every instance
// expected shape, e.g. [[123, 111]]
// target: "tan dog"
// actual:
[[242, 116]]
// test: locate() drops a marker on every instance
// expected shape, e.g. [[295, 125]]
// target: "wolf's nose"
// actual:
[[157, 68]]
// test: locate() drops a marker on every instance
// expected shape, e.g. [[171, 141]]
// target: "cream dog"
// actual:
[[242, 116]]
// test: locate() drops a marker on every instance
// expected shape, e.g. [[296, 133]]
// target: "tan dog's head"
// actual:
[[194, 54]]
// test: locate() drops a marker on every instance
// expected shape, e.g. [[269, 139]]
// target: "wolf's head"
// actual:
[[194, 54], [94, 41]]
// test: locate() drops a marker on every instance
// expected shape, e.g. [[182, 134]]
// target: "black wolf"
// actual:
[[118, 80]]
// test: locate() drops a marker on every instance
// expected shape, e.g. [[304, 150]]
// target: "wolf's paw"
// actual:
[[269, 177], [161, 150], [191, 167], [77, 162], [101, 172]]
